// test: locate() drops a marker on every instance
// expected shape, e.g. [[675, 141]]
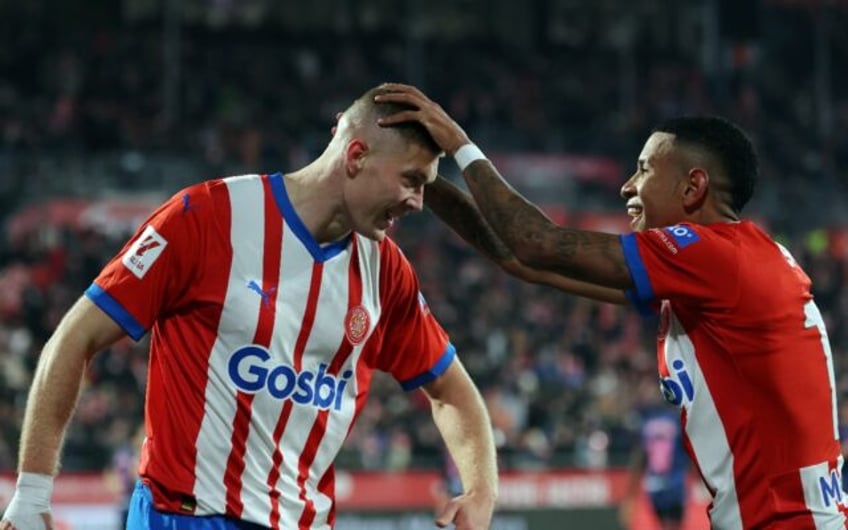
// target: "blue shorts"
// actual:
[[143, 516]]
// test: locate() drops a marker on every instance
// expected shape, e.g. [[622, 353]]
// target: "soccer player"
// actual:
[[742, 348], [271, 300]]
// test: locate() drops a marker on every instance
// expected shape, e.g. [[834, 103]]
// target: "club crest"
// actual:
[[357, 323]]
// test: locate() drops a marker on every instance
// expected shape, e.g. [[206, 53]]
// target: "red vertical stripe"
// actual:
[[300, 346], [272, 248], [319, 428], [173, 431], [277, 459]]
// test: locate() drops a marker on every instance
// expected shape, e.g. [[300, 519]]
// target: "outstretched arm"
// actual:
[[461, 417], [535, 240], [458, 211]]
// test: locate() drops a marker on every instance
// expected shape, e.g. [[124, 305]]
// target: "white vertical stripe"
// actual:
[[237, 327], [324, 340], [265, 409], [339, 422], [292, 292], [823, 494], [814, 320], [705, 431]]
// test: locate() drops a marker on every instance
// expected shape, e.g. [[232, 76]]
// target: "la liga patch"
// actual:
[[144, 252]]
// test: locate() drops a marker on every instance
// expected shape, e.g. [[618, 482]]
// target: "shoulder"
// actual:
[[210, 199], [397, 275], [692, 239], [390, 253]]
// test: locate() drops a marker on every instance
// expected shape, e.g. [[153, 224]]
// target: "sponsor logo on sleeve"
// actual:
[[683, 235], [144, 252], [675, 238]]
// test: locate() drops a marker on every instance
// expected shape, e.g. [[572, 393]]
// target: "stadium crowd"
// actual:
[[561, 376]]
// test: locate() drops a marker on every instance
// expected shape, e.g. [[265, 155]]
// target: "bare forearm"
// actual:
[[539, 242], [466, 430], [457, 210], [52, 399], [56, 386]]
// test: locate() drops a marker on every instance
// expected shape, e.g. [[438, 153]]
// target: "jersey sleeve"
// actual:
[[686, 263], [415, 350], [152, 274]]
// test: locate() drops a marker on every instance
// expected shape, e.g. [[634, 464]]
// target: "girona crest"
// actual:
[[357, 323]]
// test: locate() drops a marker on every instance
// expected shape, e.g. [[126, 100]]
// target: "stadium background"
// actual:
[[107, 107]]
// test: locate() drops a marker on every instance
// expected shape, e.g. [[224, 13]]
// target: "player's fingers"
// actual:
[[401, 87], [406, 98], [399, 117], [447, 515]]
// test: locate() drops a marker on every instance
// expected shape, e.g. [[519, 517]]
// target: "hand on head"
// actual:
[[444, 130]]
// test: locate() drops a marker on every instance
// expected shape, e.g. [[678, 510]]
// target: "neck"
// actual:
[[716, 214], [316, 194]]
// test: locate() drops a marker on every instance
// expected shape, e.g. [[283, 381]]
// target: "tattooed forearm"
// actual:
[[538, 241], [458, 211]]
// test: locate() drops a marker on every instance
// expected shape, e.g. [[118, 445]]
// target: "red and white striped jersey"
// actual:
[[262, 348], [743, 350]]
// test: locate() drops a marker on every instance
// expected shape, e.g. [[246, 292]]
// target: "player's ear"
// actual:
[[355, 154], [695, 192]]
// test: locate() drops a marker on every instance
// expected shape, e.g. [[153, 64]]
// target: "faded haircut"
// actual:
[[727, 144], [368, 110]]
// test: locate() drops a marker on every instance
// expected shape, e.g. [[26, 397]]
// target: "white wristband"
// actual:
[[30, 502], [467, 154], [35, 489]]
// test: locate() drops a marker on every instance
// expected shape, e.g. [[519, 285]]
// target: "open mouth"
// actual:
[[634, 210], [388, 220]]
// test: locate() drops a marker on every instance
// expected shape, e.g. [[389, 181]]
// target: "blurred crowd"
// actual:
[[562, 377]]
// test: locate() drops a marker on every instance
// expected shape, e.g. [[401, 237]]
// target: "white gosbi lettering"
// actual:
[[252, 369]]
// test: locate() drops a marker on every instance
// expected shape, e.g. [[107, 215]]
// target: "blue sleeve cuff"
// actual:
[[643, 308], [114, 309], [434, 372], [643, 291]]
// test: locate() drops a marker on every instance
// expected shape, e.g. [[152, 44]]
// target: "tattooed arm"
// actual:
[[457, 210], [533, 238], [540, 243]]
